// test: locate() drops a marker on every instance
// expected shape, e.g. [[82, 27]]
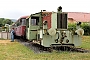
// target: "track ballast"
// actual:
[[39, 48]]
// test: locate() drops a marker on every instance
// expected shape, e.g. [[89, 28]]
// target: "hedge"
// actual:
[[84, 26]]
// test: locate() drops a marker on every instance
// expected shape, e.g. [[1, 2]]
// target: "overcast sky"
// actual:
[[16, 8]]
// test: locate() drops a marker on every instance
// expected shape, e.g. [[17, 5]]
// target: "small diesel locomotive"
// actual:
[[51, 29]]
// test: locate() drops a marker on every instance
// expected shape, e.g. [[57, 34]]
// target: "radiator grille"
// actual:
[[61, 20]]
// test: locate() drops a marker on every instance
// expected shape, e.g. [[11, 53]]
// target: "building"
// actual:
[[74, 17]]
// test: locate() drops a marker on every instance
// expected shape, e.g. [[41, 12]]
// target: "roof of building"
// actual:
[[79, 16]]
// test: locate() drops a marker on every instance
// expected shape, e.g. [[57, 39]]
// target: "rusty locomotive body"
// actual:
[[20, 26]]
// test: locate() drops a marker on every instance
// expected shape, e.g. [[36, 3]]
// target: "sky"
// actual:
[[14, 9]]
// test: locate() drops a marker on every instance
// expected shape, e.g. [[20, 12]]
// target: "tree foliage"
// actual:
[[4, 21], [1, 21]]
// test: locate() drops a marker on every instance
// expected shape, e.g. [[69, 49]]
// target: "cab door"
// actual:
[[34, 27], [27, 28]]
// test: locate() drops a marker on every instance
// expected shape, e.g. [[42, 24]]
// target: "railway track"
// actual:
[[70, 48], [38, 48]]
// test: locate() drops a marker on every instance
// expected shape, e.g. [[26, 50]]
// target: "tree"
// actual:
[[1, 21], [4, 21], [7, 21]]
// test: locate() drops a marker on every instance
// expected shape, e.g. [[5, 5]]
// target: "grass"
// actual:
[[86, 42], [16, 51]]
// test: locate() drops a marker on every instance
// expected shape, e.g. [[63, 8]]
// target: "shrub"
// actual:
[[84, 26], [71, 26]]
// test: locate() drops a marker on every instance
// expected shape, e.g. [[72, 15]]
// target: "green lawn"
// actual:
[[16, 51]]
